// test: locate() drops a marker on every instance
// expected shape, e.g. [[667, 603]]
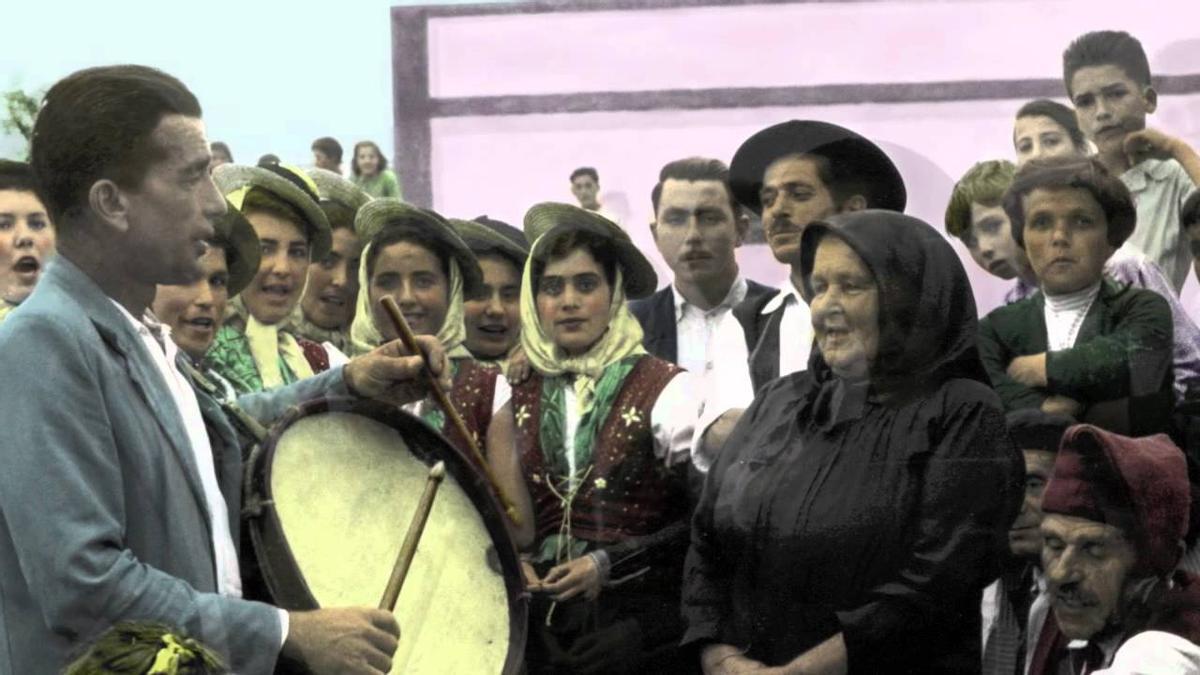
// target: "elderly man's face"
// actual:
[[1087, 564]]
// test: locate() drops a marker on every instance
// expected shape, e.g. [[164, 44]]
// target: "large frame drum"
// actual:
[[333, 489]]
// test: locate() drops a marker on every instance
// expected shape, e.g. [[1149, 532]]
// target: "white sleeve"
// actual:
[[673, 419], [335, 355], [502, 394], [727, 386], [1155, 653]]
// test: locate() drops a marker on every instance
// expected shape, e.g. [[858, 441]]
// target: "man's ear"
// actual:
[[855, 203], [109, 204], [741, 227], [1151, 97]]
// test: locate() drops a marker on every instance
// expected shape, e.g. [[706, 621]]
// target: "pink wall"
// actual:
[[501, 165]]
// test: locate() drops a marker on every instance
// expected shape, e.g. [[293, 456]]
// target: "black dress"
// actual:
[[875, 510]]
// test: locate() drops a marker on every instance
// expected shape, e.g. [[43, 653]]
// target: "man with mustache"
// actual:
[[1006, 603], [1085, 345], [698, 226], [26, 235], [790, 174], [1115, 513]]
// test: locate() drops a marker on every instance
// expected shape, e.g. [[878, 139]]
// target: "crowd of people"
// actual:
[[853, 474]]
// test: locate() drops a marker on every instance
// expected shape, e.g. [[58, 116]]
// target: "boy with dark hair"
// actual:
[[976, 216], [585, 185], [1108, 79], [327, 154], [26, 235], [221, 154], [1084, 346]]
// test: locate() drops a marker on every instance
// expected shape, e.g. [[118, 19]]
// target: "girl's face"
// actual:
[[573, 300], [1038, 137], [276, 288], [412, 276], [367, 160], [494, 316]]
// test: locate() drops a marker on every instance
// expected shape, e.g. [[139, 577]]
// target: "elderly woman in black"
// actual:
[[857, 510]]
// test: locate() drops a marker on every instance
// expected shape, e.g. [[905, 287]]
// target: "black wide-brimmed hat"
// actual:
[[848, 152], [545, 222], [242, 250], [484, 234]]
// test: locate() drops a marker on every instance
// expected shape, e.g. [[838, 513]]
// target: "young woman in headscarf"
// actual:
[[415, 257], [493, 314], [256, 348], [859, 508], [605, 435]]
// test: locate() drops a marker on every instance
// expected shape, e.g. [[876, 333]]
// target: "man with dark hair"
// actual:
[[791, 174], [120, 494], [327, 154], [1114, 516], [585, 185], [1107, 77], [1006, 603], [698, 225], [1084, 346], [26, 235]]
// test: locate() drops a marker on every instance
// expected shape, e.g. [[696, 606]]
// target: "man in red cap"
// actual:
[[1115, 513]]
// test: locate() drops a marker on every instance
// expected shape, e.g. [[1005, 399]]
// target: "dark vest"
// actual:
[[762, 337], [657, 316], [629, 492]]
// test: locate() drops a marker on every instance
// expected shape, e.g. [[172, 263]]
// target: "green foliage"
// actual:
[[20, 110]]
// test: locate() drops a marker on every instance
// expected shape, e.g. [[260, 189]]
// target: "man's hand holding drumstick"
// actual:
[[393, 374]]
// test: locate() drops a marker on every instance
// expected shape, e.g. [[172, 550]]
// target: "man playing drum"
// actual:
[[120, 493]]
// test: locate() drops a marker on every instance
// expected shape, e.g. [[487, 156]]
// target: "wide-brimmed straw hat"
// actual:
[[288, 184], [335, 188], [379, 214], [849, 151], [546, 222]]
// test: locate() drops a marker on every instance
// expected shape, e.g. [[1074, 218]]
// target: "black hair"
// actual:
[[218, 146], [600, 248], [694, 169], [330, 147], [585, 171], [1106, 48], [16, 176], [1060, 114], [1190, 213], [1032, 429], [97, 124], [413, 232]]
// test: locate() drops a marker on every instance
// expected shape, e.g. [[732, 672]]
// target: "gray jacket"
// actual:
[[102, 514]]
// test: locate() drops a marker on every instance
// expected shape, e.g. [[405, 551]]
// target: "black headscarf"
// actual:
[[928, 327]]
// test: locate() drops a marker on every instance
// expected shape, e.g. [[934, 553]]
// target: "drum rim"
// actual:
[[278, 565]]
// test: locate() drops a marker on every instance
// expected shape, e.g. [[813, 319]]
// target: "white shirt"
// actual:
[[1064, 315], [1155, 653], [696, 328], [157, 339], [728, 385]]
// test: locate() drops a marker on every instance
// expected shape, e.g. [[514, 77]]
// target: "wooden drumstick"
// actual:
[[452, 416], [408, 549]]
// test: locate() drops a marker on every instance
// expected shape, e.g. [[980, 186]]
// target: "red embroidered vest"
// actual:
[[314, 353], [472, 393], [629, 492]]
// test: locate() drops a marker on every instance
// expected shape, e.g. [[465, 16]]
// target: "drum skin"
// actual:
[[330, 495]]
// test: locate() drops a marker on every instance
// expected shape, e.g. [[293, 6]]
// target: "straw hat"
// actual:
[[546, 222]]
